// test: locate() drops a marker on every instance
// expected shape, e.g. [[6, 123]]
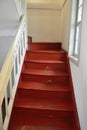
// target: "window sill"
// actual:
[[74, 60]]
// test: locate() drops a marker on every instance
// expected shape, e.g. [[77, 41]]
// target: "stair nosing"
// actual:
[[55, 75], [62, 110], [46, 61], [44, 88], [26, 88], [46, 51], [59, 108]]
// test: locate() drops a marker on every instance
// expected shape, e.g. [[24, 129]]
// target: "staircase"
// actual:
[[44, 98]]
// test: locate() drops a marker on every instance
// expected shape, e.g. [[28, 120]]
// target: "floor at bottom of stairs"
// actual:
[[40, 123]]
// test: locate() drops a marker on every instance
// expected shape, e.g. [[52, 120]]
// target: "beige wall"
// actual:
[[44, 25], [65, 24], [49, 24], [45, 3], [44, 20]]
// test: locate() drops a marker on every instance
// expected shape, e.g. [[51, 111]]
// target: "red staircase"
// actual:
[[44, 98]]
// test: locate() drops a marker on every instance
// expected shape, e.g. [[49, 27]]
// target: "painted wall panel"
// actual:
[[44, 25]]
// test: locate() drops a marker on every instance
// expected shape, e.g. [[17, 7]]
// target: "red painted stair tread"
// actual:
[[45, 66], [36, 122], [46, 56], [36, 103], [44, 86], [45, 72]]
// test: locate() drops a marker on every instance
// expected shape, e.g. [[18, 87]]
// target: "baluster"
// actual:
[[6, 103], [8, 92], [13, 75], [18, 61], [19, 54], [3, 110], [21, 48], [22, 38], [16, 69], [11, 84], [1, 122]]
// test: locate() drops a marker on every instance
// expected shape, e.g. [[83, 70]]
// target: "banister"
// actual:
[[8, 73], [9, 59]]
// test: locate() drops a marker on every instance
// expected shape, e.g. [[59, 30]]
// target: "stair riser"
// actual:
[[62, 96], [62, 67], [45, 46], [45, 79], [43, 113], [45, 56]]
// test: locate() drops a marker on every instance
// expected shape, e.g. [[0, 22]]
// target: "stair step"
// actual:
[[28, 93], [45, 78], [45, 56], [44, 61], [37, 77], [44, 86], [42, 104], [45, 66], [45, 46], [44, 72], [20, 121], [43, 90]]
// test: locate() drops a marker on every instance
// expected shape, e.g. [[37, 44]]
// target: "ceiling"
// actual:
[[50, 4]]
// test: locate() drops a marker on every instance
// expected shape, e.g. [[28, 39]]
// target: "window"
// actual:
[[75, 30], [78, 28]]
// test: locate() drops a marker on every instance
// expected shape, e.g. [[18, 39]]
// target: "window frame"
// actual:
[[77, 24], [74, 17]]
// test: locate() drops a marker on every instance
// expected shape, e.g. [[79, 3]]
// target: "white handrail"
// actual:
[[10, 73]]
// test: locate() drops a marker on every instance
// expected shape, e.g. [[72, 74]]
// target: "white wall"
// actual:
[[44, 25], [65, 24], [79, 74], [8, 17]]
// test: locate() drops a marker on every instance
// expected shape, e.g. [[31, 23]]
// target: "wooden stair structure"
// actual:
[[45, 97]]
